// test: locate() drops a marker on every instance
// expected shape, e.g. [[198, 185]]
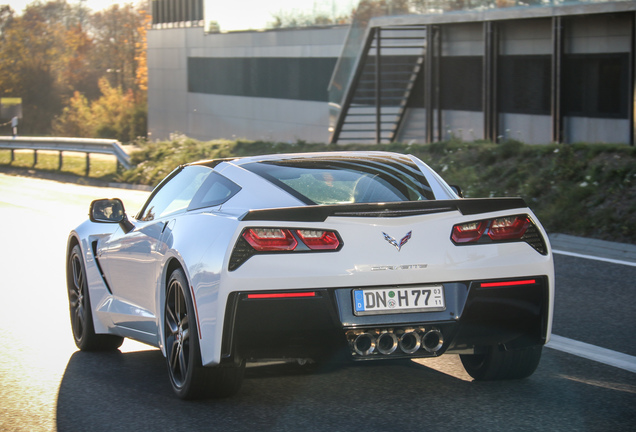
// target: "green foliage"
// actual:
[[114, 115], [579, 189]]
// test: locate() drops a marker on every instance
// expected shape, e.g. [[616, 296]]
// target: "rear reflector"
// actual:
[[281, 295], [507, 283]]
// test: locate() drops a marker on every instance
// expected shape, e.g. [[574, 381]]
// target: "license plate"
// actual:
[[399, 300]]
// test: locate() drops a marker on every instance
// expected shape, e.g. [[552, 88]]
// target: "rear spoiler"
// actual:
[[319, 213]]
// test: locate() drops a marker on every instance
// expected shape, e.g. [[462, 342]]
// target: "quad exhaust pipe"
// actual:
[[410, 342], [387, 342], [433, 340], [364, 344]]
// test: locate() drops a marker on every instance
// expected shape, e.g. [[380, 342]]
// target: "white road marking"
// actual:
[[592, 352], [596, 258]]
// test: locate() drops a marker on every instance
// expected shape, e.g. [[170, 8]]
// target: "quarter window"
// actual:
[[192, 188]]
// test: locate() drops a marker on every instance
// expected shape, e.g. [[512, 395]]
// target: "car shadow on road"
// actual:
[[126, 391], [131, 391]]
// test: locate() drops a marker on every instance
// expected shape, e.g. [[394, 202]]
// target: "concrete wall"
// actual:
[[172, 109]]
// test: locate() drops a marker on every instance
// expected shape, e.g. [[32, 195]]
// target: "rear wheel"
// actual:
[[189, 379], [80, 308], [496, 364]]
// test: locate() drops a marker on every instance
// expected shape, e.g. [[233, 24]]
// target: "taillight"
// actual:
[[503, 229], [257, 240], [319, 240], [469, 232], [270, 239], [508, 228]]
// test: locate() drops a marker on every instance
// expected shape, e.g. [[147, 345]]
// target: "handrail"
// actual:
[[82, 145], [393, 97], [353, 82]]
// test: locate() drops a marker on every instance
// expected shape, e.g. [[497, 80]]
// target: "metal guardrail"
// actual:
[[81, 145]]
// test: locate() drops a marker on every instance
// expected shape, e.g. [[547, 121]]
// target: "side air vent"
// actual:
[[241, 253], [99, 267], [534, 238]]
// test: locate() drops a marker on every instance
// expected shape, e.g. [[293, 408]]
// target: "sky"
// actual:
[[232, 15]]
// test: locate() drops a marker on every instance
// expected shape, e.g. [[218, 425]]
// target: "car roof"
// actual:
[[343, 155]]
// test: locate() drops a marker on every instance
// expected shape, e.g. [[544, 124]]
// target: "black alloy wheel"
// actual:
[[177, 331], [189, 379]]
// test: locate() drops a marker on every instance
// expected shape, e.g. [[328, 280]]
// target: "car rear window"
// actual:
[[346, 180]]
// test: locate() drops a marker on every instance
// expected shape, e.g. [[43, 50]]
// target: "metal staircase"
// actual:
[[375, 101]]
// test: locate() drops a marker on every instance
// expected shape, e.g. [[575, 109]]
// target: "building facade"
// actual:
[[556, 73]]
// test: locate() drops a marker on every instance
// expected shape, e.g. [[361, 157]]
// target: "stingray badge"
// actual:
[[395, 243]]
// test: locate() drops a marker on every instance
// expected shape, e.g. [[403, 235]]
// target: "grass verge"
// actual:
[[102, 167]]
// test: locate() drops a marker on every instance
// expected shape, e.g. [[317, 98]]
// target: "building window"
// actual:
[[596, 85]]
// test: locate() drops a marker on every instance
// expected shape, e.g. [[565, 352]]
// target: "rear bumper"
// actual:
[[478, 314]]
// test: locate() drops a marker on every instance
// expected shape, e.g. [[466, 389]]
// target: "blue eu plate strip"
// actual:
[[359, 301]]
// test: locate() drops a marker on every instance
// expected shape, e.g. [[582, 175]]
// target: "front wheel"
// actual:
[[80, 308], [496, 364], [189, 379]]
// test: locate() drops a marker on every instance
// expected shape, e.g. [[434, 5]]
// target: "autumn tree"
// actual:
[[368, 9], [116, 33], [32, 44], [56, 57], [141, 50], [6, 15], [113, 115], [77, 118]]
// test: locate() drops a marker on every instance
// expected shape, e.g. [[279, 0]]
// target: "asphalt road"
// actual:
[[46, 384]]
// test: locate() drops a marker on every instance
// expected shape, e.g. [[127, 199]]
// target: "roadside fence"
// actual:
[[61, 145]]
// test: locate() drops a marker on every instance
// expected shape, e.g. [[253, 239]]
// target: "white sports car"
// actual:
[[321, 256]]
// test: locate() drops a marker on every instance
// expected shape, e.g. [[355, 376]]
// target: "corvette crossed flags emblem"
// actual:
[[394, 242]]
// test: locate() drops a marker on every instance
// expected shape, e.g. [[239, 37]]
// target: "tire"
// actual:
[[80, 308], [189, 379], [496, 364]]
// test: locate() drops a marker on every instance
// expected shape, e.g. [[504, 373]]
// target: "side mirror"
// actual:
[[458, 191], [110, 211]]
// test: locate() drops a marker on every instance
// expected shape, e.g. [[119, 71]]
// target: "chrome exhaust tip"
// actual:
[[364, 344], [433, 340], [387, 343], [410, 342]]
